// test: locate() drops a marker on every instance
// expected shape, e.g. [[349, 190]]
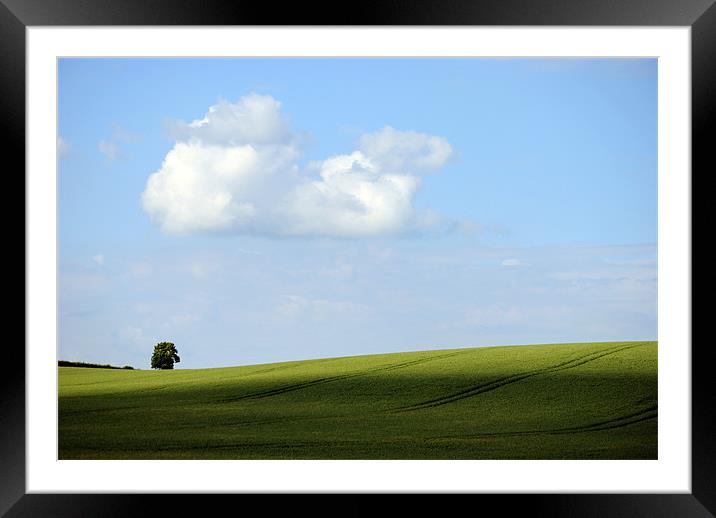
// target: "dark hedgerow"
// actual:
[[65, 363]]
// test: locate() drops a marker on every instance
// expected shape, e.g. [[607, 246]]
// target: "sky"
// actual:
[[256, 210]]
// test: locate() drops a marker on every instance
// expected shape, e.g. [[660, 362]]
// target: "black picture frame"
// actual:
[[16, 15]]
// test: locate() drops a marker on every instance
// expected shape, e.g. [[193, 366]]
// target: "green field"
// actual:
[[563, 401]]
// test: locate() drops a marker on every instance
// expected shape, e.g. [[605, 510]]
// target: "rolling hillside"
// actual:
[[562, 401]]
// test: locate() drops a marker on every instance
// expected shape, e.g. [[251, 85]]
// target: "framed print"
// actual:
[[296, 214]]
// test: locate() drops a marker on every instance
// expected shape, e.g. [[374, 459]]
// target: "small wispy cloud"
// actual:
[[511, 263], [291, 305], [141, 269], [341, 271], [201, 269], [613, 274], [248, 252], [185, 318], [493, 316], [469, 227], [109, 149], [133, 337], [63, 147], [298, 306], [98, 259]]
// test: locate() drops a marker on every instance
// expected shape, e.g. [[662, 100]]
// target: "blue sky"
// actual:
[[257, 210]]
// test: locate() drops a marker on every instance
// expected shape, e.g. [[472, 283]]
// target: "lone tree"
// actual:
[[165, 354]]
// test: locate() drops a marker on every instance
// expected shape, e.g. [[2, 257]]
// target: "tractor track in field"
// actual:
[[330, 379], [508, 380], [617, 422]]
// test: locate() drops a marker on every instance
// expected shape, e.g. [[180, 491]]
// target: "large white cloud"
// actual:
[[235, 170]]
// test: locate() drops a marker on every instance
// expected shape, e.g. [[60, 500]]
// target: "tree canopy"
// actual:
[[164, 356]]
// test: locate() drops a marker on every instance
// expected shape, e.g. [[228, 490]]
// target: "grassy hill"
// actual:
[[563, 401]]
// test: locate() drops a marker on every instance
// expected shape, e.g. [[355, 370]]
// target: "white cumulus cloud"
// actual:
[[235, 171]]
